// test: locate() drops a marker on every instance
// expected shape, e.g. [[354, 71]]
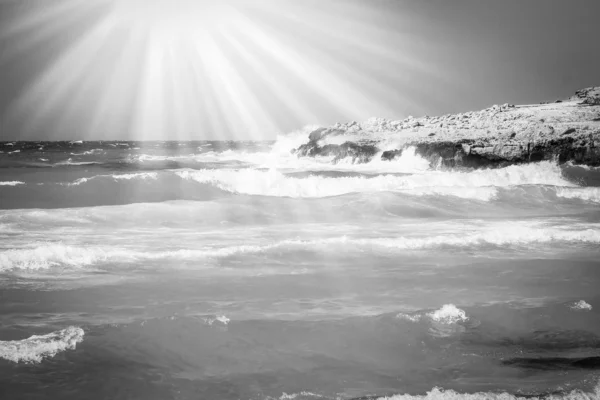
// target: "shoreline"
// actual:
[[567, 130]]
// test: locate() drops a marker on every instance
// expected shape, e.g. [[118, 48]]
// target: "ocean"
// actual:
[[236, 270]]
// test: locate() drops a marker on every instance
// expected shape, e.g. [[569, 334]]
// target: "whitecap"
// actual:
[[448, 314], [591, 194], [409, 317], [116, 177], [11, 183], [441, 394], [37, 347], [220, 319], [581, 305], [44, 257], [303, 394]]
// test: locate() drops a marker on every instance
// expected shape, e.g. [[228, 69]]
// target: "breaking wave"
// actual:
[[448, 314], [35, 348], [498, 235], [11, 183], [441, 394], [116, 177], [447, 394], [591, 194], [48, 256], [581, 305], [480, 184]]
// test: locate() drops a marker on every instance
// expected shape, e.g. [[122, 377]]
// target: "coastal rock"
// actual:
[[497, 136], [356, 153], [391, 154], [589, 96]]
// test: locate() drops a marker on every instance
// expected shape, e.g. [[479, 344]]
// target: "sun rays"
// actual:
[[207, 69]]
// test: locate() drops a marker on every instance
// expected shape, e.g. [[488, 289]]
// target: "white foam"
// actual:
[[44, 257], [142, 175], [35, 348], [11, 183], [591, 194], [89, 152], [581, 305], [117, 177], [303, 394], [408, 317], [441, 394], [448, 314], [71, 162], [60, 255], [221, 319], [499, 235]]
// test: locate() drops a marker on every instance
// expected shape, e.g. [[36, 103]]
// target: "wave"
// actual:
[[591, 194], [581, 305], [441, 394], [11, 183], [448, 314], [59, 255], [44, 257], [116, 177], [35, 348], [447, 394], [504, 235], [76, 163], [216, 319], [479, 184], [89, 152]]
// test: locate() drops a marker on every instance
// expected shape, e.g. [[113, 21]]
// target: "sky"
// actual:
[[253, 69]]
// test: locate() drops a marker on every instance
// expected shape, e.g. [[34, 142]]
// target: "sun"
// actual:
[[204, 69]]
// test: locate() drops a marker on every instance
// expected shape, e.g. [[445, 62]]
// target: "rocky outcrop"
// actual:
[[356, 153], [497, 136]]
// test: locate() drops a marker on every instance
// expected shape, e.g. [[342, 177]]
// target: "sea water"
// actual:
[[235, 270]]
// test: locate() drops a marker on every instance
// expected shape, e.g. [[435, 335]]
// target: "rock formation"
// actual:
[[497, 136]]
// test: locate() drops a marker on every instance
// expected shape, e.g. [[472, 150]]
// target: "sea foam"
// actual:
[[35, 348]]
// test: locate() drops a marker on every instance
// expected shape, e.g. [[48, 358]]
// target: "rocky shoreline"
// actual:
[[501, 135]]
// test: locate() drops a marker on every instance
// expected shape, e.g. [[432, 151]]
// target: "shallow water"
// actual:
[[164, 270]]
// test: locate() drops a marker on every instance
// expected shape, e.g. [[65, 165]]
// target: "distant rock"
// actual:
[[589, 96]]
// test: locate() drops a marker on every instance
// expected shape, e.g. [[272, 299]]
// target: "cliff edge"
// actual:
[[566, 130]]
